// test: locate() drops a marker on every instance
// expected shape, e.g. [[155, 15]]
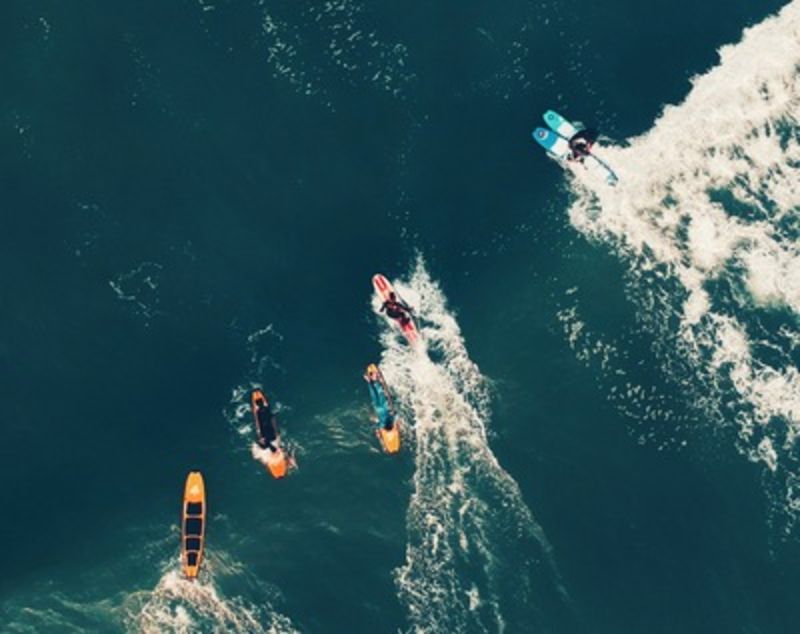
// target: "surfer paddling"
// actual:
[[266, 423], [397, 309], [267, 448]]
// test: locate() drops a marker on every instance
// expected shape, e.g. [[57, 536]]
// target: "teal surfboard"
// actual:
[[556, 142], [559, 124]]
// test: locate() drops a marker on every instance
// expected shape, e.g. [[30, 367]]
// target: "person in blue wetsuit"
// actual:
[[383, 412]]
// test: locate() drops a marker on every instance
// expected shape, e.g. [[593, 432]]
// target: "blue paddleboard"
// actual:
[[556, 146]]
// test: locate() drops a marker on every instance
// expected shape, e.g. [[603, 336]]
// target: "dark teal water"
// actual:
[[175, 178]]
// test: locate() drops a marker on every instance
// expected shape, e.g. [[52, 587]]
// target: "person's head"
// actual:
[[261, 402], [392, 296]]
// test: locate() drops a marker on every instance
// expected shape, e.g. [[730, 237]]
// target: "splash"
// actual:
[[707, 216], [476, 559], [179, 605], [174, 605]]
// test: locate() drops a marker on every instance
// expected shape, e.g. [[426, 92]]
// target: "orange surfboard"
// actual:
[[277, 463], [193, 524], [383, 287], [391, 439]]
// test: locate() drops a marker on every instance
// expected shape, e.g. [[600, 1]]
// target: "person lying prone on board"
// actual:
[[397, 309], [383, 417], [267, 427]]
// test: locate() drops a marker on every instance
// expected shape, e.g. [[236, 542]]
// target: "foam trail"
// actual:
[[476, 559], [182, 606], [174, 605], [706, 213]]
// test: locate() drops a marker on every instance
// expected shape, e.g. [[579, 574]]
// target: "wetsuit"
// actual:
[[580, 148], [266, 428], [581, 143], [380, 405], [397, 310]]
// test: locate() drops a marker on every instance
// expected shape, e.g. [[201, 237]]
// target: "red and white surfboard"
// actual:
[[383, 288]]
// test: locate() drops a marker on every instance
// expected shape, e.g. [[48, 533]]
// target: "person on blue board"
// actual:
[[384, 417], [397, 309], [581, 144], [267, 425]]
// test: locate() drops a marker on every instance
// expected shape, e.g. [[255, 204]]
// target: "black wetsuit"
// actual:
[[580, 148], [581, 143], [266, 427], [397, 310]]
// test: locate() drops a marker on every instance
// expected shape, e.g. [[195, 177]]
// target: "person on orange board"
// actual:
[[266, 425]]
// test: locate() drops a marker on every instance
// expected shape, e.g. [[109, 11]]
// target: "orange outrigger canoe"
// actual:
[[193, 524]]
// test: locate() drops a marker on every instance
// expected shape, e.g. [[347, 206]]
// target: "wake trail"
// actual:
[[707, 214], [179, 605], [476, 559], [224, 598]]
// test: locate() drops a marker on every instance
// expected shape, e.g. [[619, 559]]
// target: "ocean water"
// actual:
[[600, 428]]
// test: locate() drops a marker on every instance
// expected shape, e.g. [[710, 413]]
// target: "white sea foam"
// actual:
[[476, 559], [707, 213], [175, 605], [182, 606]]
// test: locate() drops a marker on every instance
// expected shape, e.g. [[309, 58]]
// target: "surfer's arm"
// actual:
[[258, 428]]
